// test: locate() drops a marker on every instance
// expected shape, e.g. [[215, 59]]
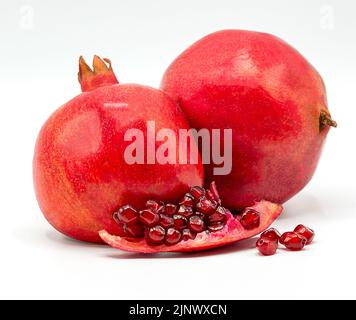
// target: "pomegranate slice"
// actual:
[[233, 231]]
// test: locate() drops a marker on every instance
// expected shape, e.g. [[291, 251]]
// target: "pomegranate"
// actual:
[[270, 96], [80, 172], [200, 228]]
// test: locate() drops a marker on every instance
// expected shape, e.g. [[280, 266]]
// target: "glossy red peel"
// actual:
[[232, 232]]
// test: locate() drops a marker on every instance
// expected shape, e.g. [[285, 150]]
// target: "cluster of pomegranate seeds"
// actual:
[[199, 210], [295, 240]]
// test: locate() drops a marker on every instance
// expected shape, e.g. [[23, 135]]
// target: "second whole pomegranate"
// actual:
[[270, 96]]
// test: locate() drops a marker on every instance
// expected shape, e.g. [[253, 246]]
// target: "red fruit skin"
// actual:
[[80, 174], [232, 232], [272, 99]]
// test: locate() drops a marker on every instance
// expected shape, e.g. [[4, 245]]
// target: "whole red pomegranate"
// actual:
[[269, 95], [80, 173]]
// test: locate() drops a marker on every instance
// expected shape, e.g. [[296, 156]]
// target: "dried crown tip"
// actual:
[[102, 74], [326, 120]]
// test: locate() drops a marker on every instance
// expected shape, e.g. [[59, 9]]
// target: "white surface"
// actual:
[[40, 42]]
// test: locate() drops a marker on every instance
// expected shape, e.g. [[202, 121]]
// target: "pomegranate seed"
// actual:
[[216, 227], [206, 206], [121, 230], [187, 200], [218, 216], [180, 222], [156, 235], [209, 195], [196, 224], [185, 211], [187, 234], [292, 241], [250, 219], [115, 216], [148, 217], [173, 236], [161, 209], [305, 232], [127, 214], [266, 246], [170, 209], [166, 221], [215, 193], [197, 192], [135, 230], [153, 205], [271, 234]]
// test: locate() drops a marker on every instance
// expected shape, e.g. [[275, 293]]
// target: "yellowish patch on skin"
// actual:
[[72, 211], [82, 135], [243, 64], [272, 78], [61, 204]]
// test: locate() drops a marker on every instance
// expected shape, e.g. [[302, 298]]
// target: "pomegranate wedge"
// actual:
[[233, 231]]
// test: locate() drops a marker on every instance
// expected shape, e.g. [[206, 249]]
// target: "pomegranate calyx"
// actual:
[[326, 120], [101, 75]]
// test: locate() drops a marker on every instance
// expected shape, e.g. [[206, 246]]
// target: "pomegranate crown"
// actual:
[[101, 75]]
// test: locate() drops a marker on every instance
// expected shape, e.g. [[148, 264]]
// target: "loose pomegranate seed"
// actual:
[[196, 224], [135, 230], [219, 216], [292, 241], [153, 205], [180, 222], [166, 221], [148, 217], [216, 227], [206, 206], [187, 200], [250, 219], [185, 211], [187, 234], [170, 209], [305, 232], [197, 192], [271, 234], [215, 193], [266, 246], [156, 235], [173, 236], [127, 214]]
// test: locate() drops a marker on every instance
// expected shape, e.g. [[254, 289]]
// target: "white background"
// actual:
[[40, 42]]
